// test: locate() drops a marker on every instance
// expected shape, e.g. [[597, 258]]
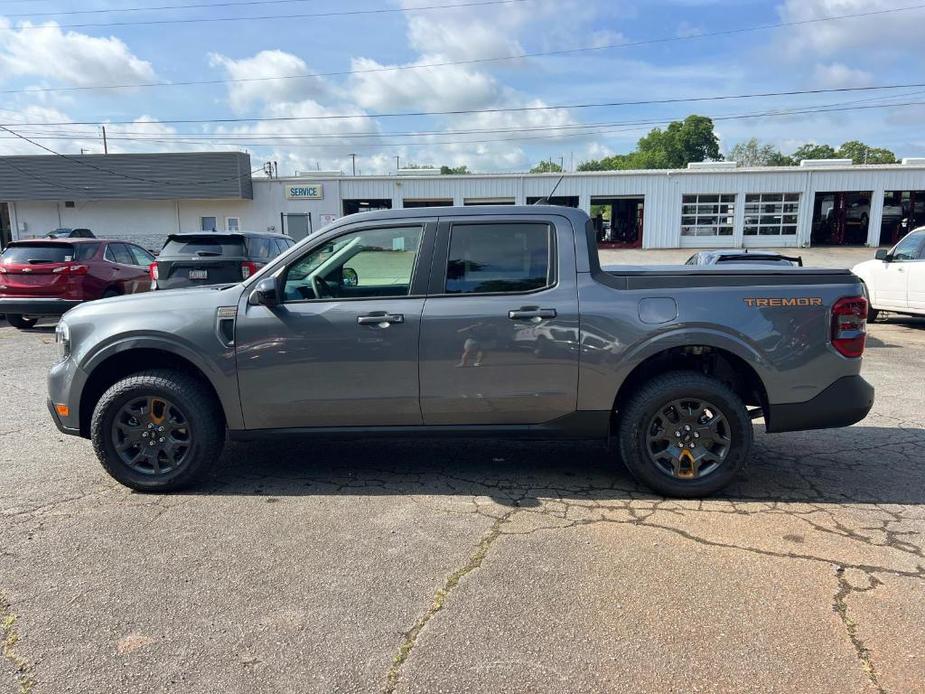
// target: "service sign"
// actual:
[[305, 191]]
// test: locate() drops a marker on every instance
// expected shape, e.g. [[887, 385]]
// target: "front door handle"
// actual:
[[383, 319], [530, 313]]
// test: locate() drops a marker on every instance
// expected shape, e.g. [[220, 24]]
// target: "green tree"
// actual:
[[546, 166], [674, 147], [859, 153], [681, 143], [814, 151], [780, 159], [454, 170], [753, 153]]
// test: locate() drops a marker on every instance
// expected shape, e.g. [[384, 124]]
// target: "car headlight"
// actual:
[[63, 340]]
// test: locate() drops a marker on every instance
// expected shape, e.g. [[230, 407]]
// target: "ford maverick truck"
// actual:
[[471, 321]]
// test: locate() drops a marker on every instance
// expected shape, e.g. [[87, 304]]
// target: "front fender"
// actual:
[[218, 366]]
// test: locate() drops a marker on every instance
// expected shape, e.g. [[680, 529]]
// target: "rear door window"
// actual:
[[141, 256], [499, 258], [204, 246], [118, 253], [260, 248], [85, 251], [37, 253]]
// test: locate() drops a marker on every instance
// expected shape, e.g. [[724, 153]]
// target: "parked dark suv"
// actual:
[[210, 257]]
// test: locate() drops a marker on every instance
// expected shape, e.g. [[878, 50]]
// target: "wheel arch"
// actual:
[[117, 363], [718, 362]]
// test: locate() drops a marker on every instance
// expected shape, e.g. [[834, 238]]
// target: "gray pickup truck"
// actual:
[[475, 321]]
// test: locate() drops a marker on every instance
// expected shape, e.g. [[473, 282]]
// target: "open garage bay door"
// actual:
[[618, 221]]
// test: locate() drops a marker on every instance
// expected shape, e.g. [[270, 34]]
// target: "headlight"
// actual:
[[63, 340]]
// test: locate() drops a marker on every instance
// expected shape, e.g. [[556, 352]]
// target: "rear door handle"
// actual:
[[531, 313], [383, 320]]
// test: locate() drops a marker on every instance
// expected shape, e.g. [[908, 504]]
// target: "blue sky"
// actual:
[[37, 52]]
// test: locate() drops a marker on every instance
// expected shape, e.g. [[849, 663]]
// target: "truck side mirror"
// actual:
[[883, 254], [266, 293]]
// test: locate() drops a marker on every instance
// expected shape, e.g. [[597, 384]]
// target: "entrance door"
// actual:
[[499, 336], [6, 232], [298, 225], [342, 347]]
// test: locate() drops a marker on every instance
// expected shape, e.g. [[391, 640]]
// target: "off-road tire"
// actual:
[[21, 322], [202, 412], [634, 416]]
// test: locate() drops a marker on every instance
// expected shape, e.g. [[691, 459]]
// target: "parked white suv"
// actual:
[[895, 279]]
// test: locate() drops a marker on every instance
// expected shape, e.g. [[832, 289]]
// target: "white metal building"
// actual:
[[707, 205]]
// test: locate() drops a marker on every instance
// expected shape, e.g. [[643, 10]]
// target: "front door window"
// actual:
[[373, 263]]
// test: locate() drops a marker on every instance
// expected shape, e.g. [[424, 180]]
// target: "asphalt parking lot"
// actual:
[[372, 566]]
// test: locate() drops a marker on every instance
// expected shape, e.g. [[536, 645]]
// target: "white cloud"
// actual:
[[885, 32], [835, 75], [687, 30], [73, 58], [436, 88], [268, 64]]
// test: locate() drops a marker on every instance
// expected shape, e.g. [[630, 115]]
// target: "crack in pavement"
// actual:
[[475, 561], [9, 637], [840, 606]]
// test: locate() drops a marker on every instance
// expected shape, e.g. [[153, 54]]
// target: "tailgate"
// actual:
[[35, 269], [190, 272]]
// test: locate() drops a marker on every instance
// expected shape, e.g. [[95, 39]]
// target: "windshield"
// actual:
[[37, 253], [204, 246]]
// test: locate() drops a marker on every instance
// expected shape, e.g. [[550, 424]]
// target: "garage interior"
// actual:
[[903, 211], [420, 202], [354, 206], [560, 200], [841, 218], [618, 221]]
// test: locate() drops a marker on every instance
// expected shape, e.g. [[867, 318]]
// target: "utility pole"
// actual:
[[353, 157], [561, 163], [397, 165], [105, 145]]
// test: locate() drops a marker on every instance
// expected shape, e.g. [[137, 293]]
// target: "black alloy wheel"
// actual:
[[688, 438], [684, 434], [158, 430], [152, 435]]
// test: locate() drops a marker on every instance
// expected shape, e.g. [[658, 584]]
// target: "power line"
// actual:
[[506, 109], [301, 15], [152, 8], [288, 137], [103, 169], [632, 125], [471, 61]]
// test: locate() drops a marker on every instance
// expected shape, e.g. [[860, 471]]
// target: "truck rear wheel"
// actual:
[[157, 430], [21, 322], [684, 434]]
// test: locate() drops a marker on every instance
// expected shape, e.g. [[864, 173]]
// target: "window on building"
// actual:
[[232, 224], [491, 258], [771, 214], [208, 223], [707, 215]]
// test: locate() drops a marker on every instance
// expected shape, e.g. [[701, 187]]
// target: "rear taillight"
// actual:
[[72, 269], [152, 273], [849, 325], [248, 268]]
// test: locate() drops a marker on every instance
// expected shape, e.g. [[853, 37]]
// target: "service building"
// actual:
[[144, 197]]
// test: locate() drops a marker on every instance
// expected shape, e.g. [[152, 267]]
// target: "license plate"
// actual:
[[199, 274]]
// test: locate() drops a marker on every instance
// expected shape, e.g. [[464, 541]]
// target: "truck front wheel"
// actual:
[[157, 430], [684, 434]]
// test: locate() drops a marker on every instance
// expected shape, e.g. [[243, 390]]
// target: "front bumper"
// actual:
[[845, 402], [37, 307], [70, 431]]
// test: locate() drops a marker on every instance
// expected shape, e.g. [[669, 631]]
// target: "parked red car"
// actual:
[[46, 277]]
